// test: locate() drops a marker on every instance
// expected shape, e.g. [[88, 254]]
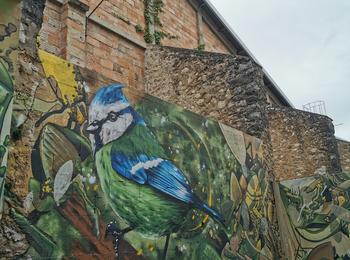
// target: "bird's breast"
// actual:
[[147, 210]]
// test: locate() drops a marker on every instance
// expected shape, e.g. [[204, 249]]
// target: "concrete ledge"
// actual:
[[94, 18], [75, 3], [58, 2], [79, 5]]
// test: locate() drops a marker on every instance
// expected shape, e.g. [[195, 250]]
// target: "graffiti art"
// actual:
[[115, 171], [8, 54], [6, 95], [315, 217]]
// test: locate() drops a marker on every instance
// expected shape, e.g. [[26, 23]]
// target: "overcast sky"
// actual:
[[303, 44]]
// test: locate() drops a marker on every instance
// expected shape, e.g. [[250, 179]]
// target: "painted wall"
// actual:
[[8, 56], [314, 216], [182, 176]]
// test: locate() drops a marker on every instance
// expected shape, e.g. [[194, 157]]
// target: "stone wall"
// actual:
[[224, 87], [303, 144], [230, 89], [12, 240], [227, 88], [31, 20], [344, 154]]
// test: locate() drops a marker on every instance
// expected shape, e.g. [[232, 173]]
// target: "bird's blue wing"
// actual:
[[123, 165], [170, 180], [156, 172]]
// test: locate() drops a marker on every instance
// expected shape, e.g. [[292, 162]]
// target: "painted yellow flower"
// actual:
[[341, 200], [95, 187], [47, 187], [139, 252], [150, 247]]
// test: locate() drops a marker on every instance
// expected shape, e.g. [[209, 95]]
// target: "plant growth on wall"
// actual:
[[151, 12]]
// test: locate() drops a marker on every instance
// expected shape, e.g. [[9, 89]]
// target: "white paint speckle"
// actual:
[[145, 165], [62, 180]]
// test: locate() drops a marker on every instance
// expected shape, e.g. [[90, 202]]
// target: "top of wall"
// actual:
[[223, 29], [303, 144], [188, 24]]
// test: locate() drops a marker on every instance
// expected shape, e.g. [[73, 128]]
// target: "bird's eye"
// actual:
[[113, 116], [95, 123]]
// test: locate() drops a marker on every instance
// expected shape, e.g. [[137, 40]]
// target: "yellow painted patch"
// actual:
[[139, 252], [95, 187], [80, 117], [62, 71], [150, 247], [341, 200]]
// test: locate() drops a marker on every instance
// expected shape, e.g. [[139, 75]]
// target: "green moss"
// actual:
[[138, 28], [201, 47], [148, 37], [159, 35]]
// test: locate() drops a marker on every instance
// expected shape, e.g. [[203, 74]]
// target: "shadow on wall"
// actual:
[[128, 174]]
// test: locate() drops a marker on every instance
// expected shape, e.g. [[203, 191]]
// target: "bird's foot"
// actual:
[[117, 235]]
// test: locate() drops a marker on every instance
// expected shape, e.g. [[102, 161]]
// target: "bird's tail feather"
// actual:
[[211, 212]]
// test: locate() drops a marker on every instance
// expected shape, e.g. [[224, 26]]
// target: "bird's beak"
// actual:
[[91, 129]]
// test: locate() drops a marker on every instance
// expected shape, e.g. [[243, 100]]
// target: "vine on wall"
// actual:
[[151, 12]]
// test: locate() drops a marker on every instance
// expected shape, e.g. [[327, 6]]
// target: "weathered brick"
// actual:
[[63, 33], [107, 64]]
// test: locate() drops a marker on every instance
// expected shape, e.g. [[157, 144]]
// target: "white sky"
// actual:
[[303, 44]]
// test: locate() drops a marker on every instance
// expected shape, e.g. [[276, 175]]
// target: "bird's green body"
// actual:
[[147, 211]]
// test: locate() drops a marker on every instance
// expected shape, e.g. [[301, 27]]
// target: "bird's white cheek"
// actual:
[[113, 130], [92, 140]]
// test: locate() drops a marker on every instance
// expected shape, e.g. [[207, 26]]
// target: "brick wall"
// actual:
[[344, 154], [51, 38], [112, 46], [212, 42], [121, 14], [180, 19], [114, 57]]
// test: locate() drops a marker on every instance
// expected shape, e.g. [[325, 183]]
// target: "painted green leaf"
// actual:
[[44, 204], [205, 251], [7, 141], [5, 78], [55, 146], [6, 92], [2, 171], [38, 239], [2, 151], [227, 209]]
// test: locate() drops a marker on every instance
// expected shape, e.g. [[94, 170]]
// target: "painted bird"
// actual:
[[140, 183]]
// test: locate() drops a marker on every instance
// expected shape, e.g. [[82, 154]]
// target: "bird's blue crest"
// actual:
[[110, 94]]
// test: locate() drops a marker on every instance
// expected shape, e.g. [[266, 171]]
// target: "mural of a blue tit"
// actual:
[[141, 184]]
